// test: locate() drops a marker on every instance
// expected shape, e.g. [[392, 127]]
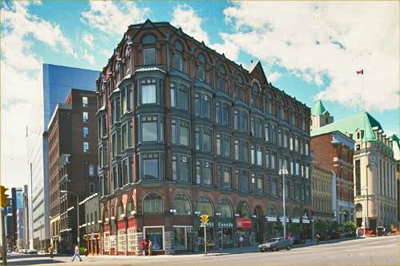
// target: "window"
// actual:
[[224, 207], [259, 153], [221, 78], [180, 134], [85, 146], [204, 172], [224, 145], [256, 127], [92, 170], [203, 139], [240, 120], [273, 161], [150, 166], [222, 112], [92, 188], [202, 105], [126, 136], [152, 128], [85, 116], [267, 159], [182, 204], [85, 101], [267, 132], [358, 177], [242, 151], [179, 97], [152, 203], [273, 133], [259, 184], [126, 171], [178, 60], [274, 187], [85, 132], [201, 73], [254, 99], [181, 168], [244, 180], [239, 89], [225, 174], [148, 91], [149, 56], [126, 95], [268, 104]]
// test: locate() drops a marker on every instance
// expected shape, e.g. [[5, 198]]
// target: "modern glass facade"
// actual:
[[57, 82]]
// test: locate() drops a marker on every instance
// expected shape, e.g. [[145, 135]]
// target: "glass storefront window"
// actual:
[[156, 237], [179, 238]]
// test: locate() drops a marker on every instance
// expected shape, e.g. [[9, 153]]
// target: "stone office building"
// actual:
[[375, 190], [183, 131], [72, 164]]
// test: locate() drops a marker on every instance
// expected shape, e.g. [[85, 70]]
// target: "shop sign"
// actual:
[[306, 221], [295, 220], [225, 224], [271, 219], [243, 223]]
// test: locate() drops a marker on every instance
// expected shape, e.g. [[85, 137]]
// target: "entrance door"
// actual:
[[189, 237]]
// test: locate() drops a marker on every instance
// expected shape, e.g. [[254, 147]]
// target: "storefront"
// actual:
[[243, 228], [273, 227], [210, 235], [183, 238], [156, 235], [225, 228]]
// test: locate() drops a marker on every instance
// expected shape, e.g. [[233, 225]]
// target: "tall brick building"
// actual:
[[183, 131], [72, 163]]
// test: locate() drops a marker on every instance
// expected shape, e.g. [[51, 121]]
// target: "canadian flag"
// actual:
[[361, 72]]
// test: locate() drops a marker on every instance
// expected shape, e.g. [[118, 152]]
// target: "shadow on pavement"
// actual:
[[34, 262]]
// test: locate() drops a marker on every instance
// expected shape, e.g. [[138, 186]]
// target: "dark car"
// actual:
[[276, 244]]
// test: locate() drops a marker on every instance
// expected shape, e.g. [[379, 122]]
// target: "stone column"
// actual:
[[137, 239], [169, 242]]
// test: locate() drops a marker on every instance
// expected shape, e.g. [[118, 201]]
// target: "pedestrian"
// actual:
[[143, 247], [241, 241], [76, 253], [51, 251], [150, 247], [318, 237]]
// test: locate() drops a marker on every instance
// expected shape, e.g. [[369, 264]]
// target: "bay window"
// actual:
[[203, 139], [202, 105], [179, 96], [180, 132], [152, 128]]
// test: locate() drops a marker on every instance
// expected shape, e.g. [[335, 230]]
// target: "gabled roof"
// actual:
[[318, 109], [351, 124], [257, 66]]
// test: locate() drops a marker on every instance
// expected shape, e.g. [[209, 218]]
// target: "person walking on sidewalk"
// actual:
[[76, 253], [150, 247], [143, 243], [318, 237], [241, 241], [51, 251]]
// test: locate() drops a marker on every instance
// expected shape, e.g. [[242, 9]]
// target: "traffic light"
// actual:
[[204, 218], [3, 196]]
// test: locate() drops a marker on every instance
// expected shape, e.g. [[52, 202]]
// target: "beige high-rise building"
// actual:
[[375, 183]]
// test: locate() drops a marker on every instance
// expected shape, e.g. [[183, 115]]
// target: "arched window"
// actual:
[[272, 212], [243, 210], [120, 209], [254, 100], [221, 79], [296, 213], [178, 56], [153, 203], [225, 208], [131, 206], [149, 49], [204, 206], [182, 205], [239, 94], [201, 71]]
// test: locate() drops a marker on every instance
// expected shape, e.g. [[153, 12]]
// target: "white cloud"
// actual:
[[88, 39], [274, 76], [21, 78], [113, 17], [185, 17], [88, 57], [324, 38]]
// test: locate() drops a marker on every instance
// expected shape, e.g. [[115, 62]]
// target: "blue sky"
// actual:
[[310, 50]]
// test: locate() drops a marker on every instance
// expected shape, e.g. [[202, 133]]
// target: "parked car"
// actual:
[[32, 251], [276, 244]]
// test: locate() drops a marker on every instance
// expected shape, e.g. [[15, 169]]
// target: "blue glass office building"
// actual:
[[57, 82]]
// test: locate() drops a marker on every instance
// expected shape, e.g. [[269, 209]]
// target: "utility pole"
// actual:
[[3, 237], [284, 172]]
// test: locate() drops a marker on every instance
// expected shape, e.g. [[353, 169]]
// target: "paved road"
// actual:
[[369, 251]]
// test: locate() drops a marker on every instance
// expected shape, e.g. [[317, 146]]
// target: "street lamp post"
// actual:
[[77, 215], [284, 172]]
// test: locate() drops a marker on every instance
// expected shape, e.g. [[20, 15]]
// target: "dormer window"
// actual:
[[149, 50], [254, 100]]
